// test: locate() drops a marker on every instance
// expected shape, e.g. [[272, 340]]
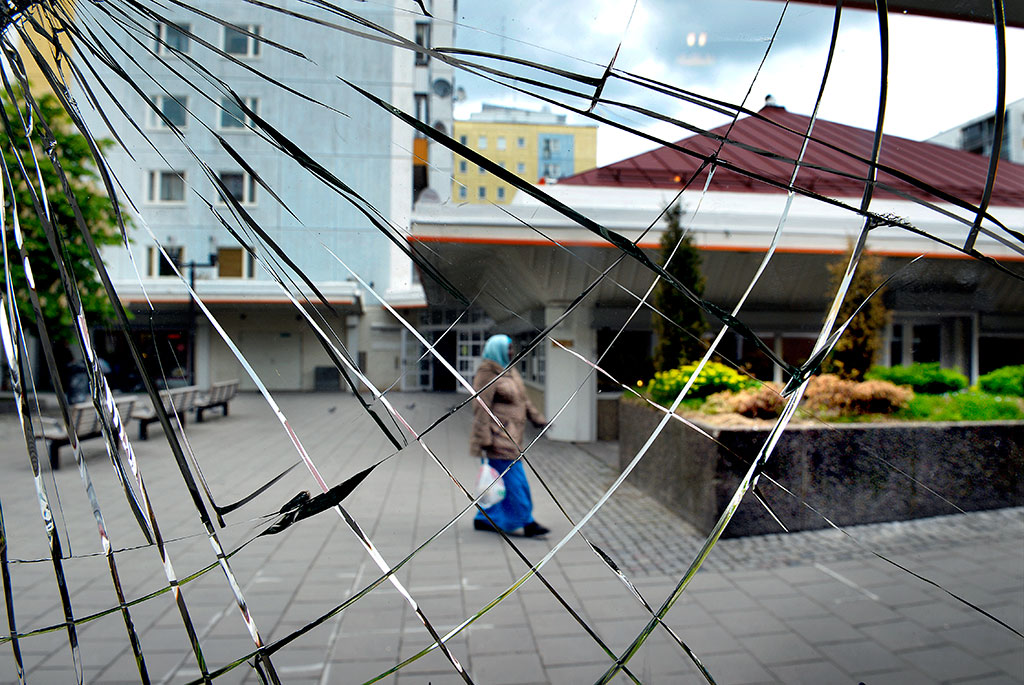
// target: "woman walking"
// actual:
[[504, 393]]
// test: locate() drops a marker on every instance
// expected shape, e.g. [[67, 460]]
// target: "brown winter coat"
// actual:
[[507, 399]]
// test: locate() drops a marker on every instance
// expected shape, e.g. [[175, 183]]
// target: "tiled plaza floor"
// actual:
[[805, 608]]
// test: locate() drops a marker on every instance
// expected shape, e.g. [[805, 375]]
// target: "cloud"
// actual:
[[941, 72], [583, 37]]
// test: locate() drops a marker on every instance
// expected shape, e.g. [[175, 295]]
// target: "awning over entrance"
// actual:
[[525, 257]]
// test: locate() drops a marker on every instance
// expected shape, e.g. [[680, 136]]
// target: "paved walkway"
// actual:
[[813, 607]]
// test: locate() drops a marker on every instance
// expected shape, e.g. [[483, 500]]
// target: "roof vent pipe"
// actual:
[[769, 101]]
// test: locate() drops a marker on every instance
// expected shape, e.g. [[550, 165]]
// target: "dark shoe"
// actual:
[[534, 530], [480, 524]]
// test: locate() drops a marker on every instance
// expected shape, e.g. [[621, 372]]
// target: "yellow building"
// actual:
[[532, 145], [41, 16]]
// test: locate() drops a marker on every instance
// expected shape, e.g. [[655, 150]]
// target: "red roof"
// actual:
[[758, 161]]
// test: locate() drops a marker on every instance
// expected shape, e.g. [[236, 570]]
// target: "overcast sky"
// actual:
[[941, 72]]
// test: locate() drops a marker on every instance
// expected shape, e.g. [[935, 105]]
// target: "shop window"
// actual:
[[927, 343], [896, 345]]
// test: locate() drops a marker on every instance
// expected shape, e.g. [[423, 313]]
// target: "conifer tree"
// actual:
[[860, 344], [679, 326]]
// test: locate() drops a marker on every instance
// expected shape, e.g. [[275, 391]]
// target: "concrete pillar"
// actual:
[[565, 374], [975, 342]]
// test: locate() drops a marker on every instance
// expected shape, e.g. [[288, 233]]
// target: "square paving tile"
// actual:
[[947, 663]]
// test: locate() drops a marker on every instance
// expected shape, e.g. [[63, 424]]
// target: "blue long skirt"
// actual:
[[516, 510]]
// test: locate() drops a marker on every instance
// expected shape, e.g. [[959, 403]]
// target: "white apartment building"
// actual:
[[976, 135], [339, 228]]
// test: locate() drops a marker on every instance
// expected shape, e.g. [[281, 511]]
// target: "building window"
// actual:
[[520, 167], [481, 192], [501, 164], [552, 171], [171, 38], [166, 187], [422, 103], [423, 40], [462, 167], [501, 192], [896, 345], [550, 147], [521, 142], [244, 42], [481, 170], [462, 192], [174, 109], [532, 364], [501, 142], [232, 118], [463, 140], [234, 262], [240, 186], [159, 266], [481, 142]]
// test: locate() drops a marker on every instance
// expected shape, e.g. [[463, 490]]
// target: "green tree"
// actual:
[[860, 344], [679, 327], [72, 150]]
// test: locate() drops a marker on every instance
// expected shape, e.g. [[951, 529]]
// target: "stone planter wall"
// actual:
[[851, 473]]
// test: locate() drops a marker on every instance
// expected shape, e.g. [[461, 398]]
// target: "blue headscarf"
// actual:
[[496, 349]]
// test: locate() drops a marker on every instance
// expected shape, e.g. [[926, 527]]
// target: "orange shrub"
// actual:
[[830, 393], [761, 402]]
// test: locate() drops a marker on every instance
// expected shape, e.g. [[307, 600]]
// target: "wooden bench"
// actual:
[[177, 401], [219, 395], [86, 423]]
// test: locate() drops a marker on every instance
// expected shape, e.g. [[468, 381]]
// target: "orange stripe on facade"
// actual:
[[208, 300], [516, 242]]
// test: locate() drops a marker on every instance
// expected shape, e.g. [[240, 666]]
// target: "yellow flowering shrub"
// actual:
[[714, 377]]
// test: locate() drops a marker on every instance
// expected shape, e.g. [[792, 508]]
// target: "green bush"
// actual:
[[930, 379], [715, 377], [1008, 380], [962, 406]]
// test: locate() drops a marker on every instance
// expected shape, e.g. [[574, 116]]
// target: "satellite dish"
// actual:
[[442, 88], [460, 94]]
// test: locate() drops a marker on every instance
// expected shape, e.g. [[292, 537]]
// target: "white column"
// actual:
[[565, 374], [975, 352]]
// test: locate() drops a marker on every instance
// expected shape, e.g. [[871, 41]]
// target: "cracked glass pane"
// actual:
[[424, 341]]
